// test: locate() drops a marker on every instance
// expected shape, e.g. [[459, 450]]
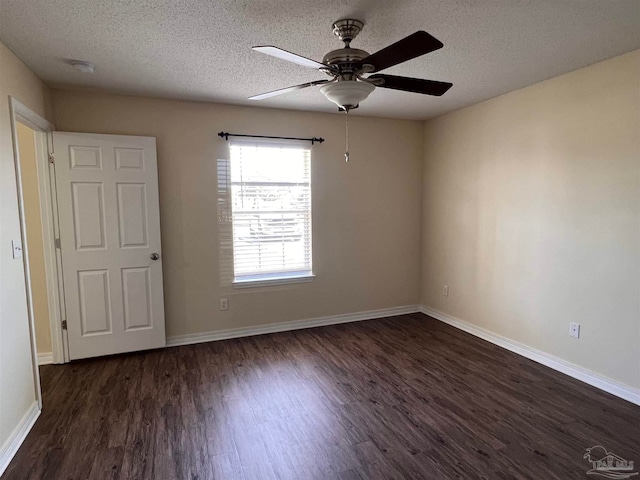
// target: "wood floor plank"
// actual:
[[399, 398]]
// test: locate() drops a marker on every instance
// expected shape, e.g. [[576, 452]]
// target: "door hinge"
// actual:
[[57, 242], [64, 324], [52, 159]]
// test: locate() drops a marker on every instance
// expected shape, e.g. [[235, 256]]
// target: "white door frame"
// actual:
[[48, 210]]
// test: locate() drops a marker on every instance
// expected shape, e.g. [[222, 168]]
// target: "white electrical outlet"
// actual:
[[574, 330], [224, 304], [445, 290]]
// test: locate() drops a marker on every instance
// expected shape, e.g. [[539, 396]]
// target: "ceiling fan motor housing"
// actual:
[[345, 60], [344, 57]]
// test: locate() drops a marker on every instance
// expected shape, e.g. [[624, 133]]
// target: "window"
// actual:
[[270, 190]]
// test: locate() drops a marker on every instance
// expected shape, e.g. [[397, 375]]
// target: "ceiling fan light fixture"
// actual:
[[347, 93]]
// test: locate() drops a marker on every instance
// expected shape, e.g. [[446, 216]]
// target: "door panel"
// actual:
[[93, 293], [132, 214], [88, 222], [129, 158], [85, 157], [136, 292], [107, 190]]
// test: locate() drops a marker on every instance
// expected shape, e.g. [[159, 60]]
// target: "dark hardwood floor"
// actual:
[[400, 398]]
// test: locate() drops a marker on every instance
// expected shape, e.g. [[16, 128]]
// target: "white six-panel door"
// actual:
[[107, 189]]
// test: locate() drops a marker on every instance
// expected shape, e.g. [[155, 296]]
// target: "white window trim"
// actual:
[[274, 279]]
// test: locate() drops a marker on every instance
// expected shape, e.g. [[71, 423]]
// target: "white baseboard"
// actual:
[[45, 358], [621, 390], [10, 448], [287, 326]]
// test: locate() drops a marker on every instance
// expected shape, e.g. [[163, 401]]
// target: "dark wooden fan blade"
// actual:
[[274, 93], [415, 85], [413, 46], [288, 56]]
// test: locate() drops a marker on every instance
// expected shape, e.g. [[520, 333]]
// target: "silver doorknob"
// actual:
[[154, 256]]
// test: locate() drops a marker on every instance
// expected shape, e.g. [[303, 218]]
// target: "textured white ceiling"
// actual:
[[201, 49]]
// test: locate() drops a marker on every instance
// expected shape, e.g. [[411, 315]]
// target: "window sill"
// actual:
[[265, 282]]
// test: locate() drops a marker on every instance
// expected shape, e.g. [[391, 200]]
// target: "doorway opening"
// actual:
[[37, 208], [34, 240]]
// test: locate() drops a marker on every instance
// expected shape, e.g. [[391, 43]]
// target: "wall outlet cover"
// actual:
[[224, 304], [574, 330]]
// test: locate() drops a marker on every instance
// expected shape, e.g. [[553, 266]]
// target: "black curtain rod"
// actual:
[[226, 136]]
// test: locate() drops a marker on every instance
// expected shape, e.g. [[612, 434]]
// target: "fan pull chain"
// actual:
[[346, 153]]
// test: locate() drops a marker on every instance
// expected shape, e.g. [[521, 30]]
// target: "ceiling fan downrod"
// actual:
[[347, 29]]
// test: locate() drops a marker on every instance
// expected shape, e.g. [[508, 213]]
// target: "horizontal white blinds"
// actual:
[[271, 209]]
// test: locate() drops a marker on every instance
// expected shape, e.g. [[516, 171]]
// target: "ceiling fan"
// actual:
[[346, 67]]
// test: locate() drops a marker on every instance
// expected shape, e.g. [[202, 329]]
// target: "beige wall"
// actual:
[[31, 205], [530, 212], [366, 214], [17, 392], [532, 216]]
